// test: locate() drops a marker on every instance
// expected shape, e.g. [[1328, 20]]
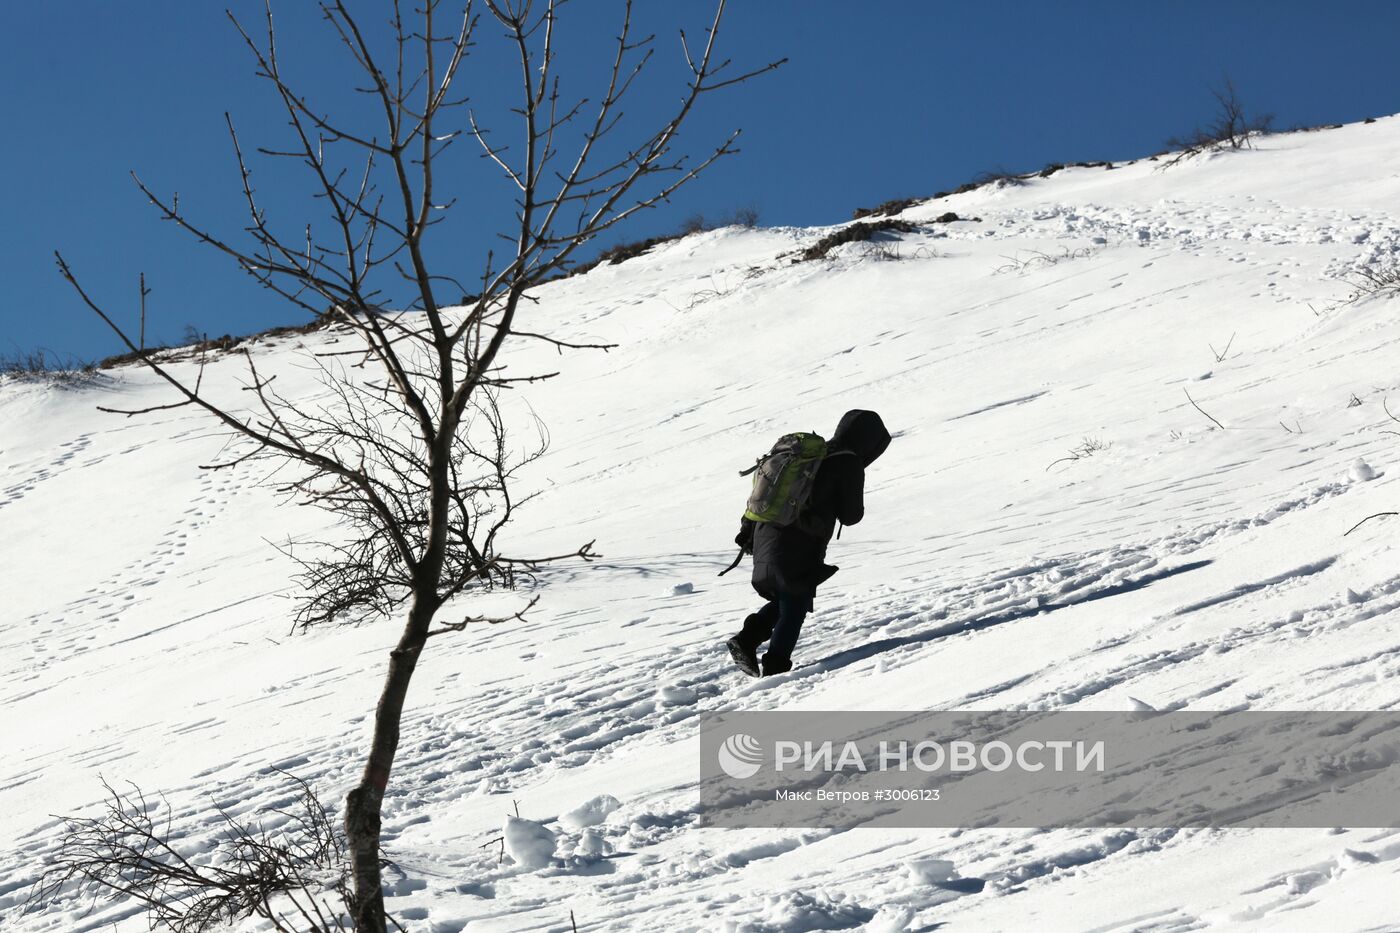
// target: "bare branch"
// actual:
[[448, 627], [1202, 410], [1367, 519]]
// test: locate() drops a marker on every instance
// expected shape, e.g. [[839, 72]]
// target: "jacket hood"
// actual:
[[863, 433]]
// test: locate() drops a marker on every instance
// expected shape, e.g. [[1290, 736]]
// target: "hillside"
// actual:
[[1055, 525]]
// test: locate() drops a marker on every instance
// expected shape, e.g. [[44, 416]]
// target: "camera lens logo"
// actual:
[[741, 756]]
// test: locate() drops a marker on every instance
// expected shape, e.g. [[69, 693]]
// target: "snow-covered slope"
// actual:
[[144, 629]]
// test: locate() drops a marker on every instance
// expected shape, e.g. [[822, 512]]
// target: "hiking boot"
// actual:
[[744, 657], [772, 665]]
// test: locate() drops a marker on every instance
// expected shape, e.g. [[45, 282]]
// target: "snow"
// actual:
[[591, 812], [1139, 708], [890, 920], [529, 844], [931, 870], [144, 633], [591, 845], [1361, 471]]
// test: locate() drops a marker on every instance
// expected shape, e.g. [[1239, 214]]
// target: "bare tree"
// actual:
[[1230, 128], [410, 447]]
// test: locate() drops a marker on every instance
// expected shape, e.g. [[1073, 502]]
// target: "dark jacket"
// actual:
[[792, 559]]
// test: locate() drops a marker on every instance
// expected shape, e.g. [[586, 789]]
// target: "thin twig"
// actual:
[[1367, 519], [1202, 410], [1220, 354]]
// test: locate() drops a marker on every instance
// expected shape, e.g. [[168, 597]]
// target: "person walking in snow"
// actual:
[[789, 558]]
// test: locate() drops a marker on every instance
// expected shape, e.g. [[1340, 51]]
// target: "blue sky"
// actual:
[[879, 100]]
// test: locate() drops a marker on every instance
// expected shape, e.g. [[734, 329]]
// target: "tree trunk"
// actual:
[[362, 805]]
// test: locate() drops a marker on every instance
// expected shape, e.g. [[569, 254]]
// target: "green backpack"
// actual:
[[782, 482], [783, 478]]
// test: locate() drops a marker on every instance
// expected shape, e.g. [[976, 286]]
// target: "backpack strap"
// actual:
[[735, 564], [759, 462]]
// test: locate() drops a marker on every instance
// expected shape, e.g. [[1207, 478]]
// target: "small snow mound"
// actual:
[[796, 912], [590, 813], [1354, 598], [529, 844], [683, 589], [1141, 710], [891, 919], [1351, 858], [941, 873], [677, 695], [591, 845], [931, 870], [1361, 471], [1305, 881]]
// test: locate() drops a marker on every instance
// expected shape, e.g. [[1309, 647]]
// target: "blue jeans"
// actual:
[[779, 623]]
